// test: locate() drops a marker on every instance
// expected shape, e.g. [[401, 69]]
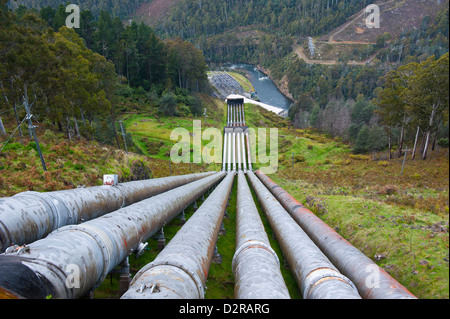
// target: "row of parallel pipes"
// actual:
[[93, 249], [29, 216], [316, 276], [371, 280], [236, 147], [236, 114]]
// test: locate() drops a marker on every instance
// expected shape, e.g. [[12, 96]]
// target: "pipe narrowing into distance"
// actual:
[[29, 216], [244, 162], [255, 265], [91, 250], [181, 269], [315, 274], [372, 281]]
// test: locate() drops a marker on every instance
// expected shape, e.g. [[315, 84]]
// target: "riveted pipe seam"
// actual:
[[254, 244]]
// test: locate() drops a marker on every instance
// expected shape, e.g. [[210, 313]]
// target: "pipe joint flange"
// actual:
[[192, 274], [317, 276], [49, 201], [101, 239], [254, 244], [122, 194]]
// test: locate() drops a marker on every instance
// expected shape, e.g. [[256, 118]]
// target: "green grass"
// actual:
[[220, 283], [243, 81]]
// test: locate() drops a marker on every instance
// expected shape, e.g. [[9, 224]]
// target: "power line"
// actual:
[[9, 110], [14, 132]]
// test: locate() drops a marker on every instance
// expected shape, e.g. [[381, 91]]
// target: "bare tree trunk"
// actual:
[[68, 129], [434, 141], [77, 131], [427, 140], [415, 143], [400, 145]]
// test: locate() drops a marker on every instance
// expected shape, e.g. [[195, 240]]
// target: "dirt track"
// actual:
[[301, 54]]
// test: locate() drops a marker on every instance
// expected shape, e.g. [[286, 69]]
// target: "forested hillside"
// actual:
[[192, 19], [120, 8], [77, 80]]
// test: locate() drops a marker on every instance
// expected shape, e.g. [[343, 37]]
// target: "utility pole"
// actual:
[[123, 134], [31, 127]]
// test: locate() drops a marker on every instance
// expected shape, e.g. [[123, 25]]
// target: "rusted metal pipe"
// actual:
[[74, 260], [316, 276], [229, 152], [256, 267], [181, 269], [29, 216], [371, 280]]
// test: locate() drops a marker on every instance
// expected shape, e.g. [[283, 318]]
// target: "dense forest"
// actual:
[[194, 19], [75, 80], [119, 8]]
